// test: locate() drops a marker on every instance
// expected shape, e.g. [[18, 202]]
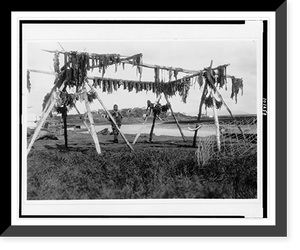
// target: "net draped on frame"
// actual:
[[233, 143]]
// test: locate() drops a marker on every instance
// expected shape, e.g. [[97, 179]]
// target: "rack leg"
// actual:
[[110, 116], [92, 126], [177, 123], [140, 131], [41, 123]]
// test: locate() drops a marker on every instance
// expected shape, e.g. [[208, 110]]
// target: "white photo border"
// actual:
[[270, 221]]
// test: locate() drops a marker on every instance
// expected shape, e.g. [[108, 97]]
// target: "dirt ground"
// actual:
[[83, 141]]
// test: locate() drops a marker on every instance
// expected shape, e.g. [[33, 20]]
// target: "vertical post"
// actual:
[[64, 116], [92, 126], [152, 128], [200, 112], [201, 104], [110, 116], [182, 135], [216, 122]]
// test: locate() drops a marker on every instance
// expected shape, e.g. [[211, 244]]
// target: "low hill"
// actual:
[[134, 115]]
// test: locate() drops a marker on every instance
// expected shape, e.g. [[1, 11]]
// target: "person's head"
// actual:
[[115, 107]]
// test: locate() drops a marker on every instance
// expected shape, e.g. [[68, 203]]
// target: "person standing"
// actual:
[[116, 114]]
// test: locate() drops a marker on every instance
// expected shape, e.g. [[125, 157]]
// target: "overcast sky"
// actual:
[[189, 47]]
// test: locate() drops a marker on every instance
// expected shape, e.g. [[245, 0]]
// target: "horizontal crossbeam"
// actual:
[[127, 59]]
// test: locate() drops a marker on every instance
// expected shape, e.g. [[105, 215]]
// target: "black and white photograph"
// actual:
[[148, 124], [160, 112]]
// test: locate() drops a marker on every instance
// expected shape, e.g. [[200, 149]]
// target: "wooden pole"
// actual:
[[110, 116], [127, 60], [40, 124], [177, 123], [83, 120], [187, 71], [141, 129], [92, 126], [44, 116], [199, 113], [64, 117], [201, 104], [216, 122], [152, 128], [229, 111], [115, 79]]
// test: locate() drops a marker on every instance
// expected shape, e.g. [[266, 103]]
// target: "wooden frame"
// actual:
[[127, 60]]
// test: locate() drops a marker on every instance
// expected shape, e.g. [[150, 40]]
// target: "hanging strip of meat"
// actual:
[[93, 62], [237, 83], [222, 76], [66, 60], [119, 83], [94, 83], [170, 74], [130, 85], [156, 74], [115, 83], [175, 74], [200, 79], [110, 86], [107, 86], [104, 86], [99, 82], [88, 67]]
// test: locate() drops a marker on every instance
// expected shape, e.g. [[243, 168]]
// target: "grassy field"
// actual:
[[166, 168]]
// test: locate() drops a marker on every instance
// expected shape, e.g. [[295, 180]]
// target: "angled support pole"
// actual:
[[45, 113], [92, 125], [152, 127], [83, 120], [141, 129], [177, 123], [216, 122], [229, 111], [110, 116], [200, 112]]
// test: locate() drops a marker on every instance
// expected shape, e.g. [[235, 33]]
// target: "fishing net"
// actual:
[[233, 143]]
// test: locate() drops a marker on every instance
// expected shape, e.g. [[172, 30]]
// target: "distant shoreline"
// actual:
[[209, 119], [75, 120]]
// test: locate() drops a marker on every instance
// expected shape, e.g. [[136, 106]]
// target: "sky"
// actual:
[[188, 47]]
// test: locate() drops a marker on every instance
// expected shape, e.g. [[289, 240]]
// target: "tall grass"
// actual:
[[146, 173]]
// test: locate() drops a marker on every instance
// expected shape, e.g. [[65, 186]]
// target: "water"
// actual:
[[159, 129]]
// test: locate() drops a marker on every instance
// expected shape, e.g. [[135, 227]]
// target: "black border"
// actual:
[[265, 122], [280, 229], [212, 22]]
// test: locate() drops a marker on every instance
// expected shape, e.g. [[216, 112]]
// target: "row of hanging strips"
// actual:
[[218, 77], [109, 85], [220, 80], [171, 88]]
